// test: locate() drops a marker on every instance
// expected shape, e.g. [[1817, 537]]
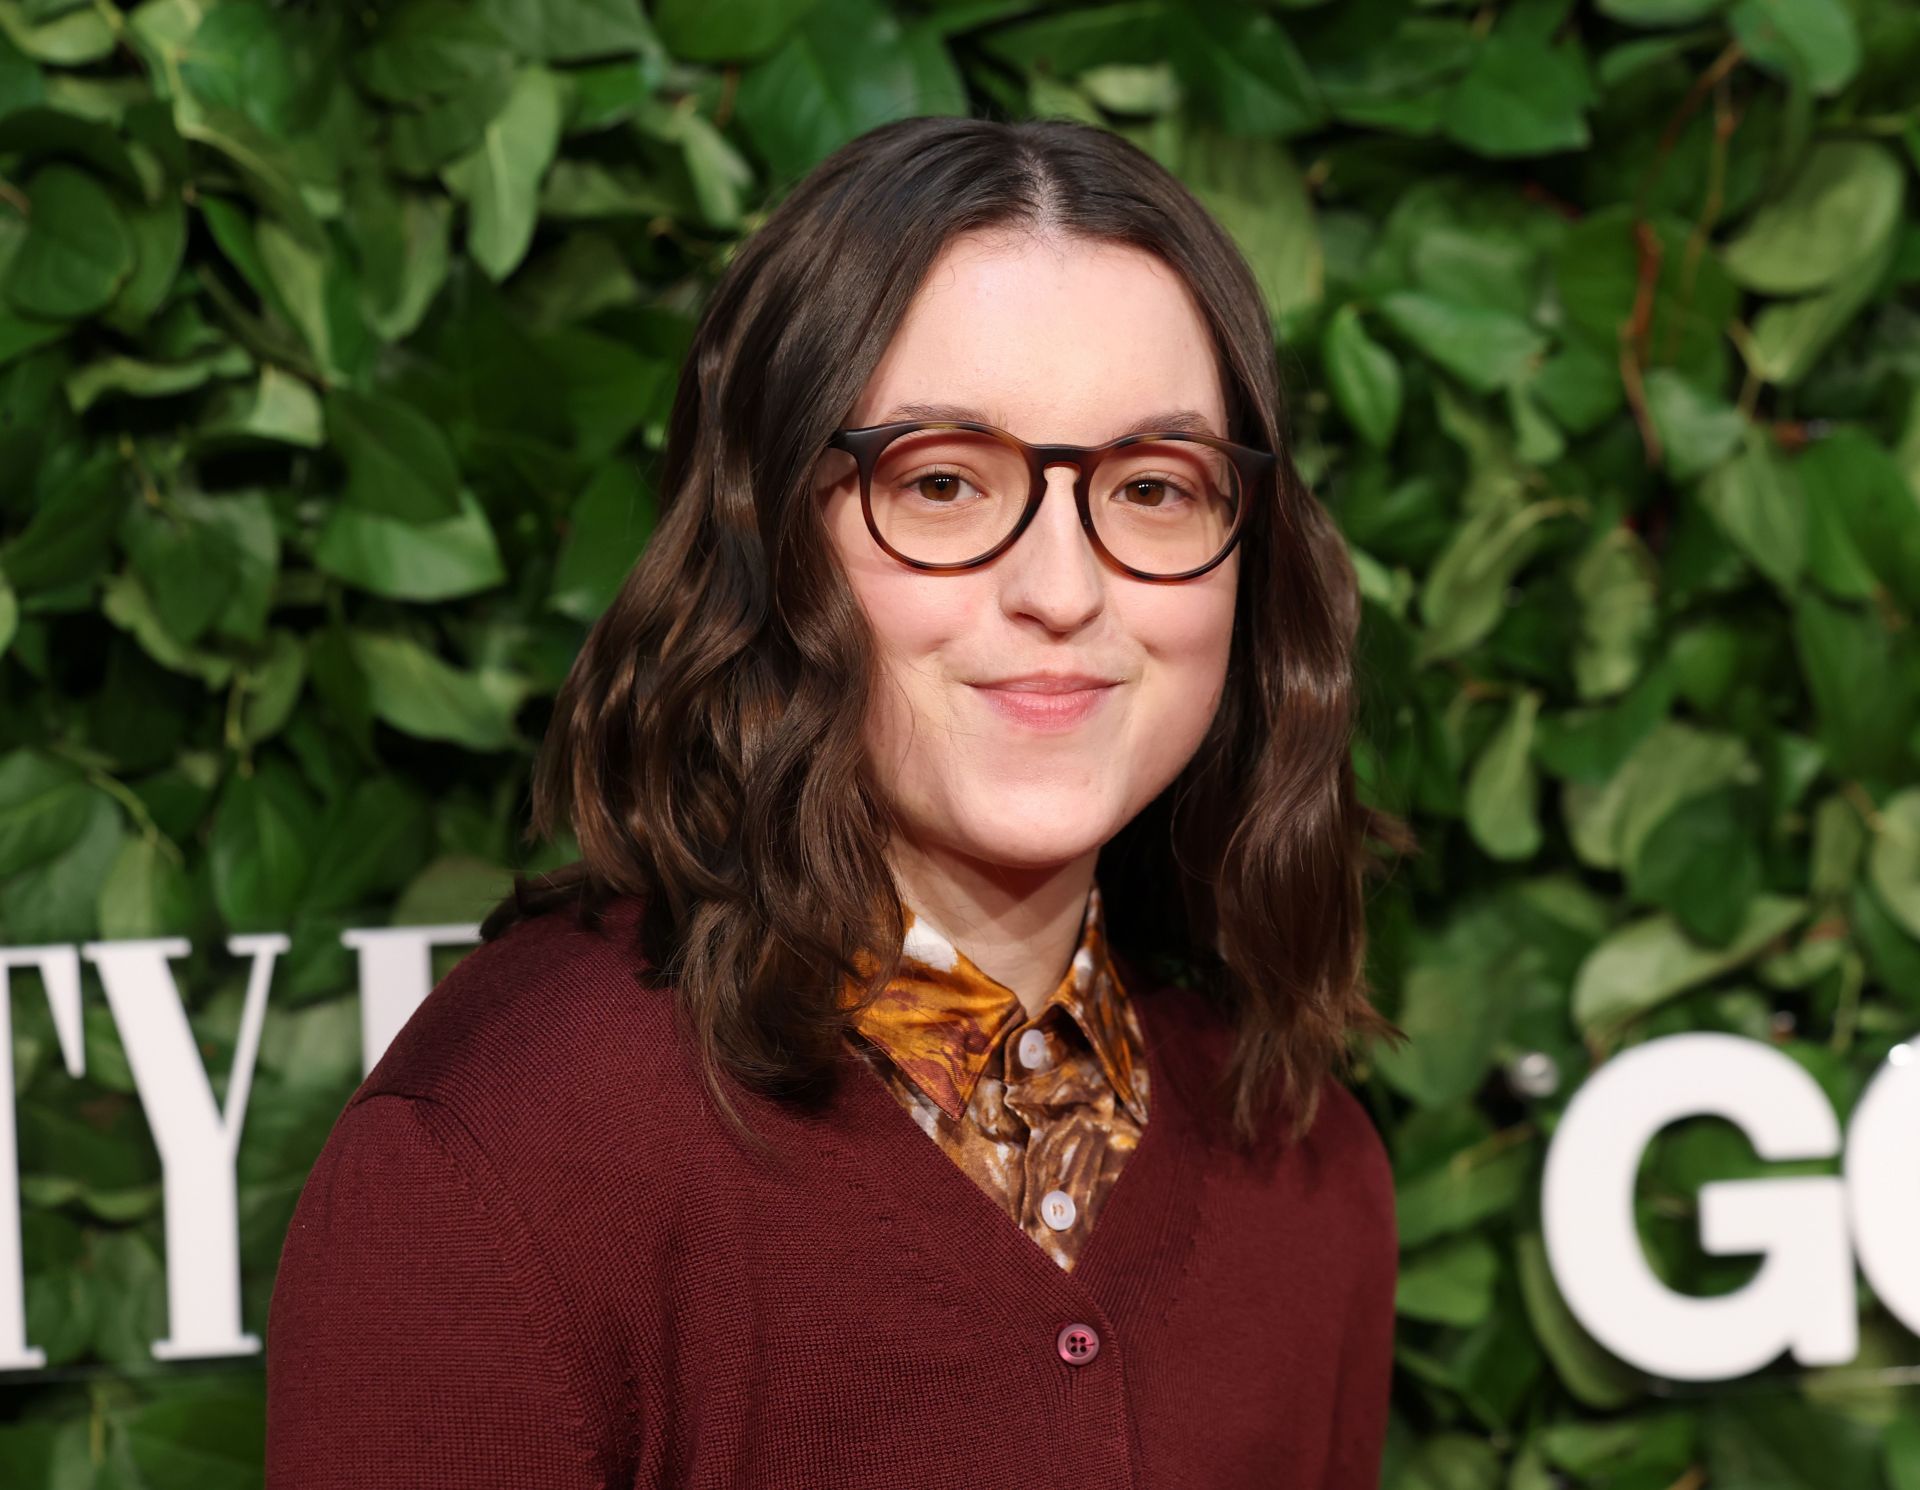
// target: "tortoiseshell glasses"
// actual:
[[951, 495]]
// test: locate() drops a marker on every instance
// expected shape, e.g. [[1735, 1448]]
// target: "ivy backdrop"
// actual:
[[336, 344]]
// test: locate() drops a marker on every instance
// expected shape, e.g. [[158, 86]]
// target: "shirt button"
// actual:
[[1033, 1051], [1078, 1344], [1057, 1209]]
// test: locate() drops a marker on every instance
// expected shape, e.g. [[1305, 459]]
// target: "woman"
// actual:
[[982, 569]]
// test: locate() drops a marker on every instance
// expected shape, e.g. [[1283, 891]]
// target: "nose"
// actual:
[[1055, 572]]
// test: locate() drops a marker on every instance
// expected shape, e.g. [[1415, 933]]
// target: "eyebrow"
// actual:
[[1186, 420]]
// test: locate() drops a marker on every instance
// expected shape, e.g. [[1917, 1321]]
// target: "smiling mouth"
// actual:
[[1044, 704]]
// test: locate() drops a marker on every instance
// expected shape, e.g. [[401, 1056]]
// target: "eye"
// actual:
[[1146, 485], [938, 487]]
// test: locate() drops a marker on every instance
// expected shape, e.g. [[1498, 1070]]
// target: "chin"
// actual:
[[1031, 829]]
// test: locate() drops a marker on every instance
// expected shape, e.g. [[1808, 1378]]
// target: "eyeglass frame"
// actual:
[[1252, 466]]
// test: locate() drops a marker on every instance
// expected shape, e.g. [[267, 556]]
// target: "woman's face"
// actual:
[[1056, 341]]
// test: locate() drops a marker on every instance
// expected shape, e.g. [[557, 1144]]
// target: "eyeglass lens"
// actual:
[[947, 496]]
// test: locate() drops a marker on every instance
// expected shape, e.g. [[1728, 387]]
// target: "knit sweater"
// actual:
[[532, 1254]]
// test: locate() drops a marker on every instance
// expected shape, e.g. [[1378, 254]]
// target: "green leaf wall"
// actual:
[[336, 346]]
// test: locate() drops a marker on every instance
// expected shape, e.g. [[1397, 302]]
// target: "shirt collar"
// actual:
[[941, 1018]]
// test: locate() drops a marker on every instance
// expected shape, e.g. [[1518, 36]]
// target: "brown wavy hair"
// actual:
[[705, 749]]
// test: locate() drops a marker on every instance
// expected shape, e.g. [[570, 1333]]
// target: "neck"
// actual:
[[1019, 926]]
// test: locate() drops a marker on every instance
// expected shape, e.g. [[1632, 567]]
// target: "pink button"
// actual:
[[1078, 1344]]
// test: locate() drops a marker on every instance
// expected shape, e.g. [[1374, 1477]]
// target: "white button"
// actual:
[[1057, 1209], [1033, 1051]]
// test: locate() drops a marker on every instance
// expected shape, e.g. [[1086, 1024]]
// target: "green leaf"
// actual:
[[159, 232], [848, 66], [416, 692], [270, 687], [606, 532], [1902, 1444], [1659, 12], [380, 837], [453, 889], [187, 565], [1648, 961], [1485, 349], [130, 1296], [266, 832], [726, 30], [68, 537], [1613, 257], [1834, 216], [398, 463], [72, 39], [1451, 1461], [500, 178], [1756, 499], [1595, 1377], [1617, 583], [1502, 790], [1855, 671], [277, 408], [212, 1440], [1579, 387], [1522, 96], [408, 560], [1240, 69], [1839, 838], [1701, 862], [271, 70], [1379, 66], [1788, 336], [1255, 190], [302, 279], [1810, 40], [574, 30], [1787, 1442], [1459, 997], [1128, 88], [433, 138], [78, 249], [1608, 822], [1697, 429], [44, 807], [146, 892], [1364, 378], [1465, 590], [1473, 1184], [1855, 480], [429, 49], [1893, 862], [126, 603], [610, 390], [137, 379], [1450, 1283]]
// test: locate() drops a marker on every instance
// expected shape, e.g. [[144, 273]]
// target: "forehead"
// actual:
[[1052, 339]]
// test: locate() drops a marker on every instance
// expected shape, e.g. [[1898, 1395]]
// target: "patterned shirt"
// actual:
[[1041, 1112]]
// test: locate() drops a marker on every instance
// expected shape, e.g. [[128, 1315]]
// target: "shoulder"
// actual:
[[1351, 1147], [538, 1023], [1342, 1156]]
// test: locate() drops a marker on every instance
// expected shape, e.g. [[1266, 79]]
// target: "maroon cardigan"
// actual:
[[531, 1253]]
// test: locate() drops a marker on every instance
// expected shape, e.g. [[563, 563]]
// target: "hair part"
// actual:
[[706, 746]]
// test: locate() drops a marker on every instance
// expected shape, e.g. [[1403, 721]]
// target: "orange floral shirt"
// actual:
[[1041, 1113]]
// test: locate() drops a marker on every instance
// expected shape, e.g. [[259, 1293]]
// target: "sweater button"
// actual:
[[1078, 1344]]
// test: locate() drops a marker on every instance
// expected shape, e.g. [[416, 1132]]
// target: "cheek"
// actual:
[[1186, 633], [912, 617]]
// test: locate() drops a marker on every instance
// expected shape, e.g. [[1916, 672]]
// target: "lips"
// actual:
[[1046, 704], [1051, 683]]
